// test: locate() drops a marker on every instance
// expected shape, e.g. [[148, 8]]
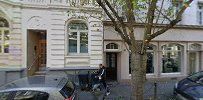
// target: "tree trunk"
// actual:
[[138, 72]]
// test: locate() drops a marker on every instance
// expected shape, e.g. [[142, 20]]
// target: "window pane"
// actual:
[[3, 22], [111, 46], [83, 42], [150, 67], [171, 61], [129, 63], [78, 25], [68, 89], [6, 35], [192, 62], [0, 35], [0, 49], [6, 48], [6, 41], [73, 42], [82, 26], [171, 47], [72, 26]]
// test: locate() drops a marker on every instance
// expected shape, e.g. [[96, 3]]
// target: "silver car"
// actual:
[[39, 88]]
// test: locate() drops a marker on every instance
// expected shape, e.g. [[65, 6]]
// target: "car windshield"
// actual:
[[24, 95], [68, 89], [196, 77]]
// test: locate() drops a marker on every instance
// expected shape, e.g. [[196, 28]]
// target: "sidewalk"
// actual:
[[121, 91]]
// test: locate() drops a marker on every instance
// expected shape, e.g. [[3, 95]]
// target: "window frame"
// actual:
[[113, 45], [200, 13], [178, 51], [78, 31]]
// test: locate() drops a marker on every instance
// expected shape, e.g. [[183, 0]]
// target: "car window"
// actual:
[[55, 96], [196, 76], [4, 95], [67, 90], [30, 95]]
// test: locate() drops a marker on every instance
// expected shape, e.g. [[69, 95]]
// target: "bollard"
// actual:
[[155, 90]]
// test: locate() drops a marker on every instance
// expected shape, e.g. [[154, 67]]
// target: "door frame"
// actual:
[[32, 44], [115, 77]]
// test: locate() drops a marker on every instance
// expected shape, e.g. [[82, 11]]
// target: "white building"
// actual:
[[61, 35]]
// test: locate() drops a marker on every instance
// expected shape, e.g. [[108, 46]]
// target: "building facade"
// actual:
[[71, 35]]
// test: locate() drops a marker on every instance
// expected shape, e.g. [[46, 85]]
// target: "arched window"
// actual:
[[171, 58], [4, 36], [111, 46], [77, 37]]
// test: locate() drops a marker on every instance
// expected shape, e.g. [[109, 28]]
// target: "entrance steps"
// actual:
[[42, 71]]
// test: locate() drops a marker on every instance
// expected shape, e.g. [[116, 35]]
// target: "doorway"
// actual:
[[36, 50], [111, 66]]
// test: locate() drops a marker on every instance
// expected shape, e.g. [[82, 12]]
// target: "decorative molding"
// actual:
[[36, 22]]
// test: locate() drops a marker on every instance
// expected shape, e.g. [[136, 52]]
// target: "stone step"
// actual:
[[40, 73], [42, 68]]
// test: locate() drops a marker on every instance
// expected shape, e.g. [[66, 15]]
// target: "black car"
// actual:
[[190, 88]]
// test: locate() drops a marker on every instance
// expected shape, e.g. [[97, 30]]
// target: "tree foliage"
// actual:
[[125, 14]]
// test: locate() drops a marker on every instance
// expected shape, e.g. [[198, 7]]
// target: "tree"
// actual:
[[154, 14]]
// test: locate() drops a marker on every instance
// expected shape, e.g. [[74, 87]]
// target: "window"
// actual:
[[111, 46], [4, 36], [150, 59], [78, 37], [67, 90], [177, 4], [194, 58], [171, 58], [200, 14]]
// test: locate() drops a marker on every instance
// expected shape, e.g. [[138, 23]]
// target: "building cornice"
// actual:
[[142, 25], [51, 6], [11, 3]]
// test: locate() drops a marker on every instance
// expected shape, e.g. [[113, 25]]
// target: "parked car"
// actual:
[[190, 88], [39, 88]]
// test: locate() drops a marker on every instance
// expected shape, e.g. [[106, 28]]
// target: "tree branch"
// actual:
[[158, 16], [172, 23], [120, 19], [163, 15], [130, 20], [149, 24], [114, 22]]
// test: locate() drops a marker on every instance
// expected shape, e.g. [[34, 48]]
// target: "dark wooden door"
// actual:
[[111, 68], [42, 53]]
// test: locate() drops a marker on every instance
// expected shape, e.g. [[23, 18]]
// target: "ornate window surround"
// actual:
[[78, 37]]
